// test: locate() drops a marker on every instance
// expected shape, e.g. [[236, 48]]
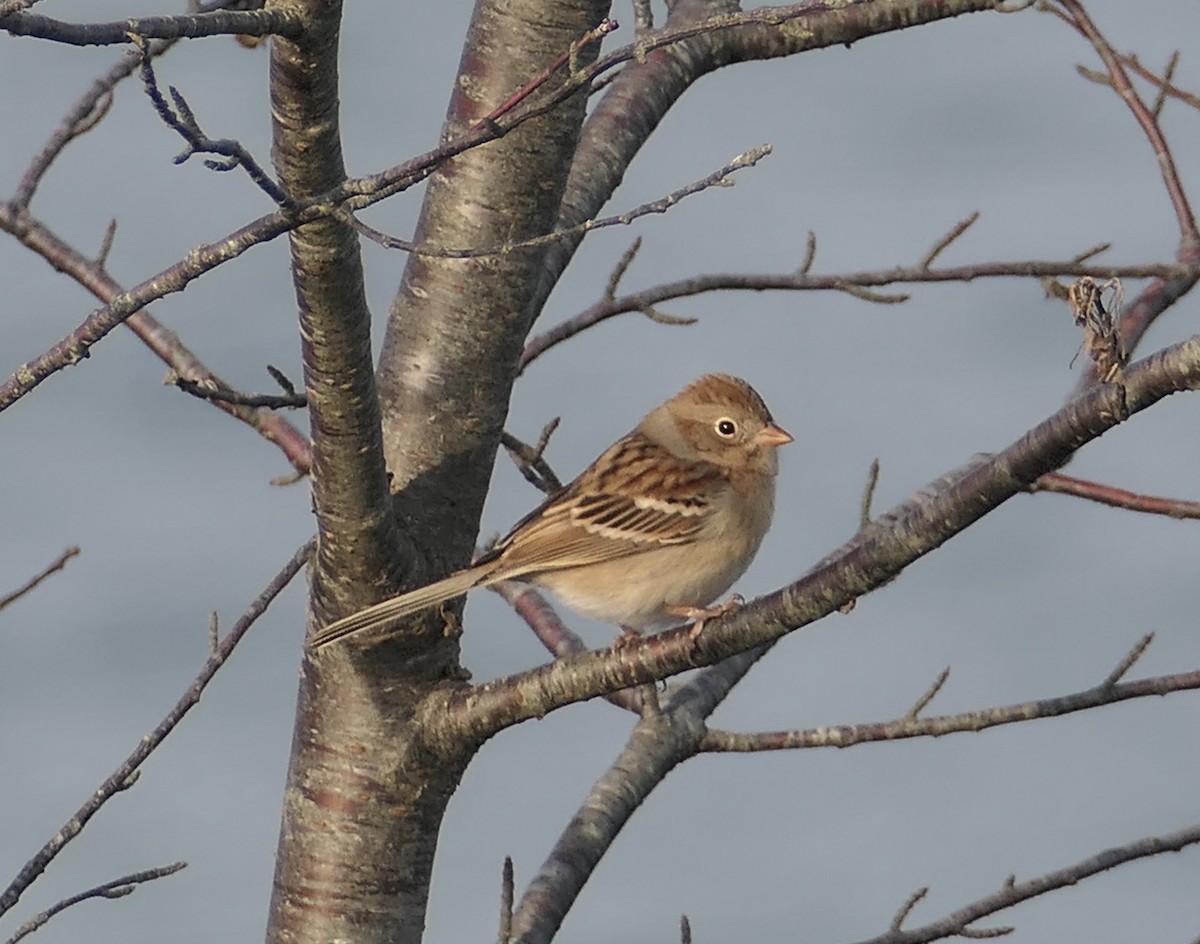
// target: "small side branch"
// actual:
[[127, 771], [59, 563], [910, 726], [531, 461], [117, 888], [1116, 497], [1074, 14], [182, 120], [212, 389], [1013, 893], [722, 177], [858, 284]]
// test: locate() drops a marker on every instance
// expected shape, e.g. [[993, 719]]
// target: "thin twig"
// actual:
[[208, 389], [849, 735], [1013, 893], [1171, 90], [58, 564], [120, 778], [607, 308], [928, 695], [89, 109], [868, 495], [164, 343], [183, 121], [905, 909], [1160, 99], [622, 266], [1116, 497], [506, 901], [530, 459], [591, 36], [1078, 17], [952, 234], [1127, 662], [810, 255], [718, 178], [117, 888]]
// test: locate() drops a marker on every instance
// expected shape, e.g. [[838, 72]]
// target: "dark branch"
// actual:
[[117, 888], [849, 735], [872, 558], [194, 26], [121, 778], [59, 563], [850, 282], [1013, 893], [183, 121]]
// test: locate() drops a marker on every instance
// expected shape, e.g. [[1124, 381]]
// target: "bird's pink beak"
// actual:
[[772, 435]]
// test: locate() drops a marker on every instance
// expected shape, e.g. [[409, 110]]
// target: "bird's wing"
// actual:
[[636, 497]]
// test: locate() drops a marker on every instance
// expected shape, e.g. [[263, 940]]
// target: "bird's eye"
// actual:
[[726, 428]]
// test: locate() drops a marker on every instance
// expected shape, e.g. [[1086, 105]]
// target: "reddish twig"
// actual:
[[1116, 497], [593, 35], [59, 563], [554, 634], [92, 275], [1145, 117], [1161, 82], [1163, 291], [126, 772]]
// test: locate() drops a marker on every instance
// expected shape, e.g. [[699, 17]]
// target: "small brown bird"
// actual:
[[659, 526]]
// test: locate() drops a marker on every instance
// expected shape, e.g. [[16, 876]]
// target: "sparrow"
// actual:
[[659, 526]]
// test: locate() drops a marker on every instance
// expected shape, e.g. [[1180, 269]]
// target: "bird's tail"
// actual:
[[381, 614]]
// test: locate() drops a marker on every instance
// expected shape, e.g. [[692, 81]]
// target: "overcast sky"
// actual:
[[878, 149]]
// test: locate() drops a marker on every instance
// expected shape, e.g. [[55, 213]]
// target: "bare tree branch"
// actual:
[[1116, 497], [190, 26], [873, 557], [117, 888], [165, 344], [850, 282], [58, 564], [127, 770], [722, 177], [1013, 892], [849, 735], [182, 120]]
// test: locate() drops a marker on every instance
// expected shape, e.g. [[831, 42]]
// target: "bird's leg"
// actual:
[[702, 614], [629, 637]]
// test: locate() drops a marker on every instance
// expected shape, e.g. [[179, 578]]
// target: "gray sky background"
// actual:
[[878, 149]]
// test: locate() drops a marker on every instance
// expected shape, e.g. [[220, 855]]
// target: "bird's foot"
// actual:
[[699, 615]]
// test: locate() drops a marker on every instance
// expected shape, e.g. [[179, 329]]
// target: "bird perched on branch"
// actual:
[[658, 527]]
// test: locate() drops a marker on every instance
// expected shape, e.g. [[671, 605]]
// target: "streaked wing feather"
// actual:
[[614, 509]]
